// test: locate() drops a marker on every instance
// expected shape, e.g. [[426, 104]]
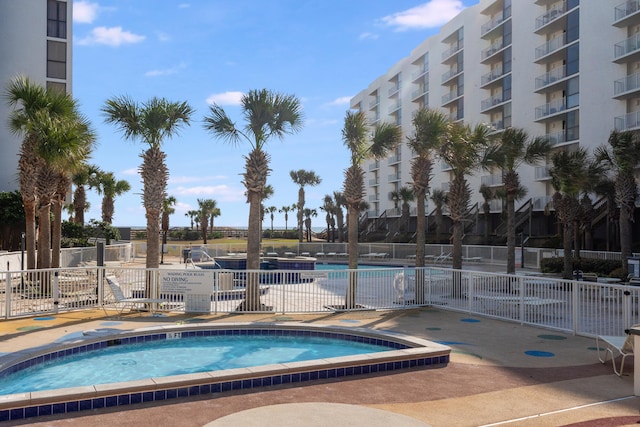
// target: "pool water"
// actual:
[[131, 362]]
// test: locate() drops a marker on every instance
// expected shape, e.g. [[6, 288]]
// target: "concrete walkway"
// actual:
[[500, 374]]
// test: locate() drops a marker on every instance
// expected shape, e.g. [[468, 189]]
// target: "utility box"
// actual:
[[225, 281], [197, 303], [633, 265]]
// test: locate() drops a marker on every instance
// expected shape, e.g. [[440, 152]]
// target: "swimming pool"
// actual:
[[178, 355], [405, 352]]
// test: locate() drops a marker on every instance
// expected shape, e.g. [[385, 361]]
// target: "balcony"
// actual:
[[444, 166], [494, 101], [626, 49], [495, 205], [625, 12], [542, 173], [373, 182], [451, 74], [493, 180], [627, 122], [420, 73], [552, 15], [495, 47], [374, 198], [546, 80], [493, 24], [555, 45], [497, 126], [553, 108], [374, 166], [626, 86], [394, 177], [492, 76], [450, 97], [374, 103], [419, 92], [394, 90], [396, 158], [395, 106], [453, 49], [560, 138], [540, 203]]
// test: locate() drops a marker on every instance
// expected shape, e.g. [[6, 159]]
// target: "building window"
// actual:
[[56, 59], [62, 87], [57, 19]]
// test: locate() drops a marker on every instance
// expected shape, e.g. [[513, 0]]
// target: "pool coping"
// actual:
[[420, 353]]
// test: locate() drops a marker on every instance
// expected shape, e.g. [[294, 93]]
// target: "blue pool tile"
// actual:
[[72, 406], [5, 415], [17, 414], [111, 401], [147, 396], [226, 386], [172, 393], [236, 385], [276, 380], [159, 395], [30, 412], [84, 405], [209, 388], [255, 382], [183, 392], [136, 398], [124, 399], [295, 378], [45, 410], [60, 408], [98, 403]]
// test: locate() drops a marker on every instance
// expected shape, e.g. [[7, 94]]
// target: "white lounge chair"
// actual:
[[123, 302], [614, 346]]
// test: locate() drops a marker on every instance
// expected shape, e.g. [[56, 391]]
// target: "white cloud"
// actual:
[[85, 12], [220, 192], [368, 36], [339, 102], [130, 172], [225, 98], [432, 14], [114, 36], [166, 71], [190, 179]]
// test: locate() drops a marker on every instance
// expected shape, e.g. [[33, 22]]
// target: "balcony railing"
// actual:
[[496, 126], [627, 46], [375, 165], [562, 137], [452, 72], [627, 8], [551, 77], [394, 177], [452, 49], [626, 122], [374, 102], [552, 108], [551, 46], [492, 75], [421, 72], [542, 173], [491, 50], [626, 84], [374, 198], [396, 158], [491, 180], [552, 14], [374, 181], [450, 96], [419, 92], [395, 106], [493, 23], [492, 101], [395, 89]]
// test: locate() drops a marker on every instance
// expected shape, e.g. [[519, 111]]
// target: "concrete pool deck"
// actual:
[[500, 374]]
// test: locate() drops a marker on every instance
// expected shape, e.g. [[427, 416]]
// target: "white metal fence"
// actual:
[[584, 308]]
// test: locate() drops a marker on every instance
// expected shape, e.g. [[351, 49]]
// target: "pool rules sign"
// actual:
[[195, 287]]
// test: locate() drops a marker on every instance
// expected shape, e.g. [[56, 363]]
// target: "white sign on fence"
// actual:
[[186, 282]]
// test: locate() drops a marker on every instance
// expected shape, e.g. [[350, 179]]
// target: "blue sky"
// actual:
[[204, 51]]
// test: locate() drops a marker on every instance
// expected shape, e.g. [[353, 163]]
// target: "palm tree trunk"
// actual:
[[567, 237], [30, 230], [420, 241], [511, 234], [56, 235], [252, 292], [44, 236], [300, 213], [626, 238], [352, 219]]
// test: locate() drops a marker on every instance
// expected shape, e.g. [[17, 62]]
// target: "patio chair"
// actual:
[[615, 346], [122, 301]]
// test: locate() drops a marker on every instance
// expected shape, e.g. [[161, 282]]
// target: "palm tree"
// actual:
[[487, 194], [268, 115], [271, 210], [152, 123], [308, 213], [215, 213], [329, 207], [385, 136], [508, 153], [303, 178], [80, 179], [106, 184], [569, 173], [32, 103], [207, 206], [191, 214], [429, 127], [340, 201], [461, 149], [167, 210], [623, 157], [286, 210], [439, 199], [406, 195]]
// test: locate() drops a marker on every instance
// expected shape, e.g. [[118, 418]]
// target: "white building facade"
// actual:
[[565, 69], [35, 41]]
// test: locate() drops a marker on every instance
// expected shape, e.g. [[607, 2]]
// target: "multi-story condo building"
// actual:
[[565, 69], [35, 41]]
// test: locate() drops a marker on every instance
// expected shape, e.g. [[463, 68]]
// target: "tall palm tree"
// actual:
[[81, 179], [215, 213], [32, 104], [508, 153], [152, 122], [487, 194], [308, 213], [167, 210], [303, 178], [268, 114], [271, 210], [623, 157], [191, 214], [329, 207], [406, 195], [439, 199], [429, 128], [461, 149], [355, 135], [106, 184], [286, 210], [568, 174], [207, 207], [340, 201]]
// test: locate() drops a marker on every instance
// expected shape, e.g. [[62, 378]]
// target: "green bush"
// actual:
[[588, 265]]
